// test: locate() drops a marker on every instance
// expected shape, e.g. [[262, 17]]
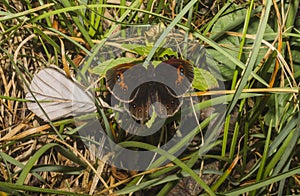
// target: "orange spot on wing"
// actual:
[[121, 82], [179, 76]]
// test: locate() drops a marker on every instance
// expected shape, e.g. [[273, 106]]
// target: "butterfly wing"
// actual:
[[139, 107], [165, 104], [59, 96], [153, 96], [123, 79], [177, 74]]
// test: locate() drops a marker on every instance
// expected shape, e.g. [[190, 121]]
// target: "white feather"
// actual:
[[59, 96]]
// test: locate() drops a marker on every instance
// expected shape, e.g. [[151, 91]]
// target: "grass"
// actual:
[[252, 147]]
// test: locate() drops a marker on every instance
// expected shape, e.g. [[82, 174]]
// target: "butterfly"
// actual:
[[156, 89]]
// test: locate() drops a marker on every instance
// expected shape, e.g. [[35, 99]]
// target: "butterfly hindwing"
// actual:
[[139, 107]]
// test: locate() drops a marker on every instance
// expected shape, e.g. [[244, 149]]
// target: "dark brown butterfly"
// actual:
[[159, 88]]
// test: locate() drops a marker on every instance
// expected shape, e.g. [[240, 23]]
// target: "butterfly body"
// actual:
[[144, 91]]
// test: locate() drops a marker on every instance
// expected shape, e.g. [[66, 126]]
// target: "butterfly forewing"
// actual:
[[177, 74], [123, 79]]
